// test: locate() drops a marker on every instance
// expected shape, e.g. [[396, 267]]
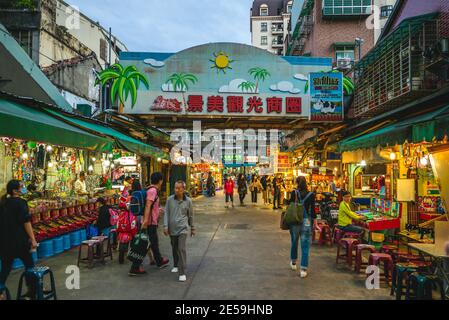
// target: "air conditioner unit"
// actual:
[[345, 63]]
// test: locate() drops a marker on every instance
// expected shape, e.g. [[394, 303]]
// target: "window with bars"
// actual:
[[346, 7], [264, 40], [25, 40]]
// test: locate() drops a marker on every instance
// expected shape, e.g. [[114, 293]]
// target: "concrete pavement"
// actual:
[[238, 253]]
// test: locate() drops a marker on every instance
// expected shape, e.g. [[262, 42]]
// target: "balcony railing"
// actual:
[[398, 70], [277, 42]]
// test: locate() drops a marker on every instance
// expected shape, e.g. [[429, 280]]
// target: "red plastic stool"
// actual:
[[359, 249], [353, 235], [325, 236], [389, 249], [375, 259], [348, 245], [317, 226], [337, 234]]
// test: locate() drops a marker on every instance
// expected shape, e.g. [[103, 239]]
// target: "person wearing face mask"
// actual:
[[16, 233]]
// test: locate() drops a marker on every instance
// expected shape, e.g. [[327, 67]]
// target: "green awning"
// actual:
[[416, 129], [122, 140], [23, 122]]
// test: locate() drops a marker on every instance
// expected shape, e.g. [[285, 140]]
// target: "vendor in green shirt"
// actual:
[[346, 215]]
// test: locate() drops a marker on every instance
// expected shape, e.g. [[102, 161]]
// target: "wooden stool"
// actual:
[[92, 246], [359, 249], [375, 259], [348, 245], [103, 252]]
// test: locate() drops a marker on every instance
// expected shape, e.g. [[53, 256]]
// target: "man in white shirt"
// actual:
[[80, 185]]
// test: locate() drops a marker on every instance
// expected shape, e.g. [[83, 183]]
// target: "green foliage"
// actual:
[[124, 82], [25, 4], [259, 74], [180, 81], [247, 86]]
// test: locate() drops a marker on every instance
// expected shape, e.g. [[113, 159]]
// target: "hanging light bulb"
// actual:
[[50, 164], [49, 148], [363, 163], [94, 159], [25, 156], [159, 159], [392, 156], [91, 168], [424, 162]]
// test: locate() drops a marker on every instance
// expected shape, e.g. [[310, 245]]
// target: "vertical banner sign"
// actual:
[[326, 97], [284, 165]]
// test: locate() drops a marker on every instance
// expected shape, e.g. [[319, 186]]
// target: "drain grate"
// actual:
[[236, 226]]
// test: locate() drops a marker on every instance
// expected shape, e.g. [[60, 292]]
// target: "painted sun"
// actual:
[[221, 61]]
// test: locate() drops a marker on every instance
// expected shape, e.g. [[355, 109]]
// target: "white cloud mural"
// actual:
[[154, 63], [168, 87], [285, 86], [233, 87], [301, 77]]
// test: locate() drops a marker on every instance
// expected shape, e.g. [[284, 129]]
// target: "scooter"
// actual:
[[329, 209]]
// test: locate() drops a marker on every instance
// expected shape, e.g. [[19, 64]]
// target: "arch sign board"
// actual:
[[219, 80]]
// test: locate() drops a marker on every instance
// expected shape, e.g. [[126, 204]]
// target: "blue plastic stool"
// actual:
[[35, 256], [66, 241], [45, 249], [75, 239], [37, 275], [17, 264], [58, 245], [83, 233]]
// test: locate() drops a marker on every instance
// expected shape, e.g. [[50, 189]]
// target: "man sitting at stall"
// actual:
[[80, 185], [346, 215]]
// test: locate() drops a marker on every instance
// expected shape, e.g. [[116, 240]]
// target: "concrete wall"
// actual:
[[256, 33], [326, 32], [86, 31], [382, 20]]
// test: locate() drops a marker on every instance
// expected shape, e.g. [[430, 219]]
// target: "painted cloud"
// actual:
[[285, 86], [233, 87], [168, 87], [154, 63], [301, 77]]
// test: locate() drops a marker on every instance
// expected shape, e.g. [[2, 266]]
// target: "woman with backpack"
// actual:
[[16, 234], [302, 232]]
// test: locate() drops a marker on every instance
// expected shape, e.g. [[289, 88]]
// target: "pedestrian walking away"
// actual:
[[302, 232], [150, 223], [16, 234], [178, 218], [242, 188]]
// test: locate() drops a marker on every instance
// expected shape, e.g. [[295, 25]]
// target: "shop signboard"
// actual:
[[326, 97], [221, 80]]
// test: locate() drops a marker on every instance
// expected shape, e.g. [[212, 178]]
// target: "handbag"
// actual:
[[283, 225], [139, 247]]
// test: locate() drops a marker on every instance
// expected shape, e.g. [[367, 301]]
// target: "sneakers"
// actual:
[[134, 273], [182, 278], [293, 266], [174, 270], [164, 263], [303, 273]]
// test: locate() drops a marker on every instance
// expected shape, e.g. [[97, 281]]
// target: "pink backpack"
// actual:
[[114, 215]]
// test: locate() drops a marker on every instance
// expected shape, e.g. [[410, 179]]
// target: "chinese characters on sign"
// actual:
[[283, 163], [326, 96], [216, 104]]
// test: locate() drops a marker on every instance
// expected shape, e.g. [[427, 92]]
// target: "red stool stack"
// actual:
[[377, 259], [359, 249], [348, 245], [325, 233]]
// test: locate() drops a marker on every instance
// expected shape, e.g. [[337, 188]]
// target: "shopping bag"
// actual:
[[139, 247]]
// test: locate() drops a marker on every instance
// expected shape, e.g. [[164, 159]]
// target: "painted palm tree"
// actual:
[[348, 84], [259, 74], [180, 82], [247, 86], [124, 83]]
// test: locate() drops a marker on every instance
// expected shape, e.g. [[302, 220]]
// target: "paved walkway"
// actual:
[[238, 253]]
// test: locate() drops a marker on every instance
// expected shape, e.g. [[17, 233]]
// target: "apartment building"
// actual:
[[270, 24]]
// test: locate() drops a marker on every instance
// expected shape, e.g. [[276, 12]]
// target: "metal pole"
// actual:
[[110, 46]]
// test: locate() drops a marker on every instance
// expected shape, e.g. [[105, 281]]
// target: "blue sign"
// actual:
[[326, 97]]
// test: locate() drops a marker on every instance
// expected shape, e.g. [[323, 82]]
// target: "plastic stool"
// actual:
[[359, 249], [17, 264], [58, 245], [66, 241], [83, 234], [106, 253], [420, 287], [401, 272], [45, 249], [37, 275], [375, 259], [348, 245], [75, 239], [92, 246]]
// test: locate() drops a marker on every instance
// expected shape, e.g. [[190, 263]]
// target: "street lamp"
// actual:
[[359, 42]]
